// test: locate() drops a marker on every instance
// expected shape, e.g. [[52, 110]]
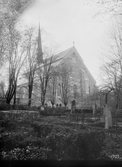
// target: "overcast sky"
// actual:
[[71, 20]]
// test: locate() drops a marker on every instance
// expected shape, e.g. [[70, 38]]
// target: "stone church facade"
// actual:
[[80, 83], [70, 80]]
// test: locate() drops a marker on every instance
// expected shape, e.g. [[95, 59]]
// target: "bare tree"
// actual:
[[64, 79], [14, 7], [44, 73], [15, 58], [2, 44], [107, 7], [31, 61], [2, 89], [52, 87], [10, 10], [37, 69], [10, 49], [112, 68]]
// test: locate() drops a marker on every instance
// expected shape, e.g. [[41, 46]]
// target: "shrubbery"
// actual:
[[49, 138], [27, 153], [60, 146], [97, 124], [75, 145], [4, 107], [48, 111], [42, 129]]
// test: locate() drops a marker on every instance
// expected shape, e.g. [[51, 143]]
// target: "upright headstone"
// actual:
[[42, 108], [108, 117], [102, 118], [93, 110]]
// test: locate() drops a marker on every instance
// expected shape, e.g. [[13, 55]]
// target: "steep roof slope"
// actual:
[[60, 57]]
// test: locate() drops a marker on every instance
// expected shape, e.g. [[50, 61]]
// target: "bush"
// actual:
[[18, 107], [75, 146], [7, 122], [5, 107], [49, 138], [42, 129], [12, 141], [78, 111], [28, 153], [98, 124], [65, 143], [87, 110], [90, 120]]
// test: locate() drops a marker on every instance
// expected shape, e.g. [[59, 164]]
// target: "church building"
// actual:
[[70, 79], [73, 80]]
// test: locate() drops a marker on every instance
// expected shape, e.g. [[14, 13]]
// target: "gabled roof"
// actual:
[[58, 58], [62, 54]]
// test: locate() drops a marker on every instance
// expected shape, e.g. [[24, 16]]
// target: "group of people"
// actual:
[[54, 106]]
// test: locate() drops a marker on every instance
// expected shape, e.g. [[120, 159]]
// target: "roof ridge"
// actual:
[[60, 56], [64, 51]]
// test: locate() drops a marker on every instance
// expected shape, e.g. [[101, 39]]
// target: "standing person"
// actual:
[[73, 106]]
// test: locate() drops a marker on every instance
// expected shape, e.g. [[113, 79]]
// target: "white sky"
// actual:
[[71, 20]]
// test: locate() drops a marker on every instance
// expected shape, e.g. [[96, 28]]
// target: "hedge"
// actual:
[[4, 107]]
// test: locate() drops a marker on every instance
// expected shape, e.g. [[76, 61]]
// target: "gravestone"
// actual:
[[42, 108], [102, 118], [94, 108], [108, 117]]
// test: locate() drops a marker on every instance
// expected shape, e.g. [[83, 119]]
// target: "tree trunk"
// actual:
[[8, 101], [106, 98], [29, 98], [9, 94], [14, 96], [43, 99], [52, 104], [29, 95]]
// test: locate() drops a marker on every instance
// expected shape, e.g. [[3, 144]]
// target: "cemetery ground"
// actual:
[[31, 135]]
